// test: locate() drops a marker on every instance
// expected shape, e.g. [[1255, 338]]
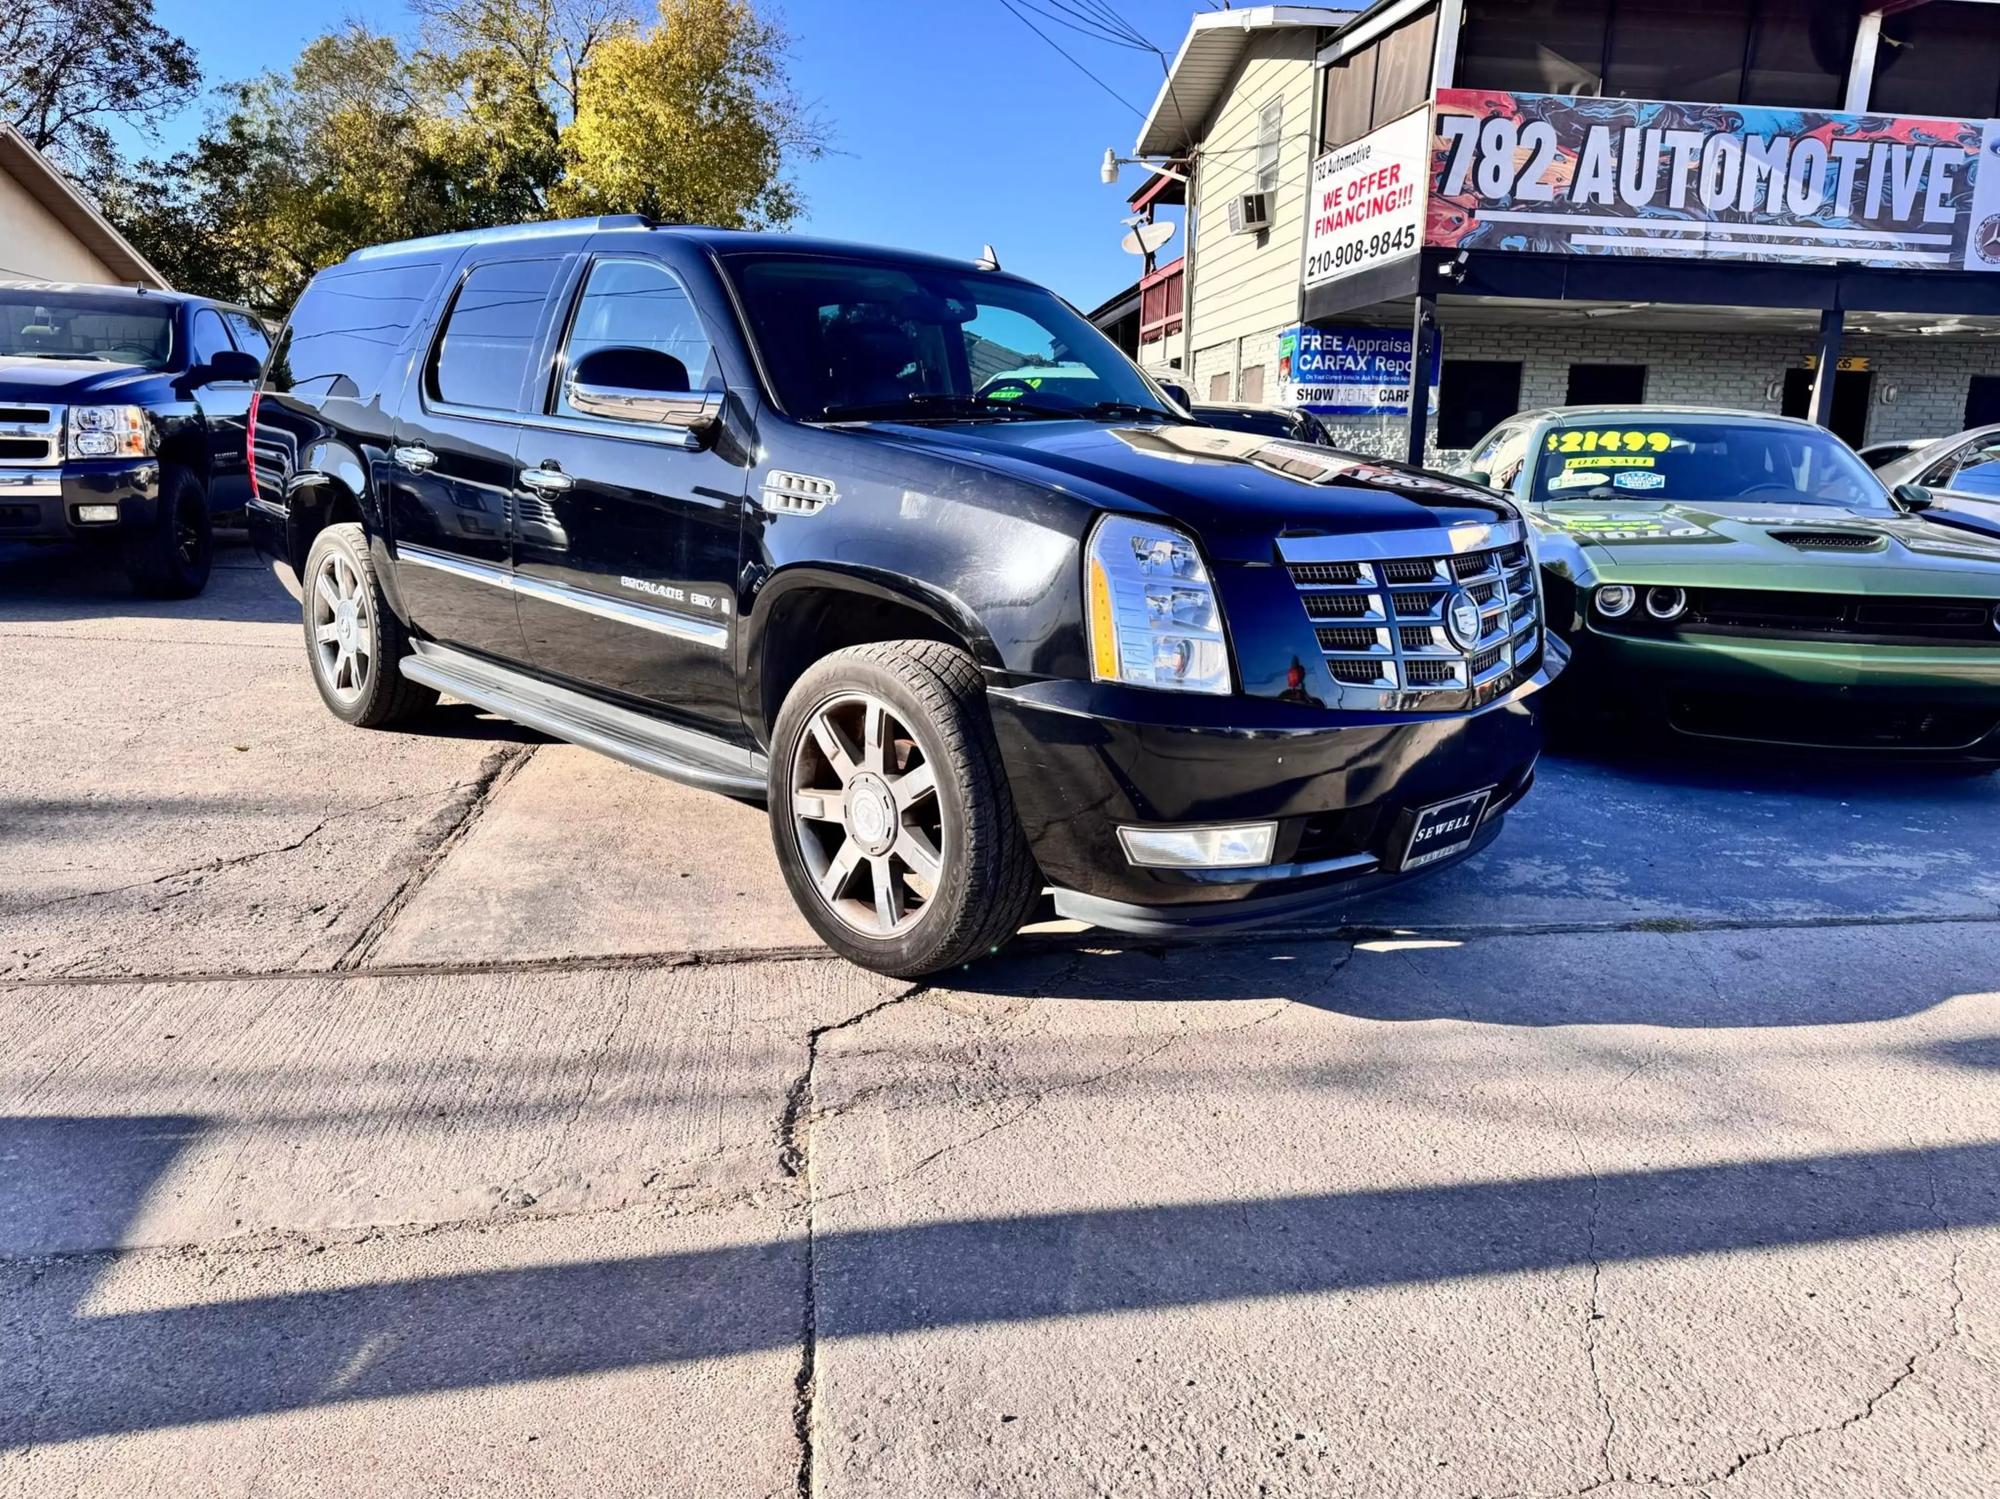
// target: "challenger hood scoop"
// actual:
[[1808, 540]]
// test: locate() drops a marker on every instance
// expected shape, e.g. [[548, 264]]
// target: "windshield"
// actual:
[[852, 340], [56, 325], [1635, 457]]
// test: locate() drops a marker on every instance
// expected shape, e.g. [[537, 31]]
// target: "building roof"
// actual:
[[1206, 62], [66, 203]]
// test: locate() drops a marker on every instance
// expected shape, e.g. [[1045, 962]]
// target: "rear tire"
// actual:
[[354, 641], [891, 812], [171, 558]]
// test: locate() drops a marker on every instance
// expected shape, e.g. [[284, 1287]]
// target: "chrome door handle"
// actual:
[[546, 480], [417, 458]]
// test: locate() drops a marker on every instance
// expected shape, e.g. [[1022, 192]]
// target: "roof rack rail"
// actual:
[[504, 232]]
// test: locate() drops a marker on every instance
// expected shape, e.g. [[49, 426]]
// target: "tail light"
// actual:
[[250, 442]]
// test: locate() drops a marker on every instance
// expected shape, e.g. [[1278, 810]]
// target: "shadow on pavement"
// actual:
[[1855, 976], [75, 583], [220, 1359]]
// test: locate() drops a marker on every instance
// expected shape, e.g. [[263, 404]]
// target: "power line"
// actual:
[[1023, 19], [1082, 24]]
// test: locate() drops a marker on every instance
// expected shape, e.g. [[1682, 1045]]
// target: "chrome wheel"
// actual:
[[867, 815], [343, 632]]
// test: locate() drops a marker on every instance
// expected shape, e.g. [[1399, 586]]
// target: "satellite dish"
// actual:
[[1147, 238]]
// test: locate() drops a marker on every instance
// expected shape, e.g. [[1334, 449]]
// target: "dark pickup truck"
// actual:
[[122, 421], [799, 522]]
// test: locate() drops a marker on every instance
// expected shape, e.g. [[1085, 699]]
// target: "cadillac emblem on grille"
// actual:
[[1407, 621], [1461, 618]]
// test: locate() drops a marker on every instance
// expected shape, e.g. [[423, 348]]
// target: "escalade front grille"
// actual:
[[31, 436], [1380, 606]]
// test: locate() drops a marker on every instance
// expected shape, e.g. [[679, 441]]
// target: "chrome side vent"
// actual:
[[787, 493]]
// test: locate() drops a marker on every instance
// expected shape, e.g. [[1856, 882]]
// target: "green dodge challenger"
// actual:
[[1744, 577]]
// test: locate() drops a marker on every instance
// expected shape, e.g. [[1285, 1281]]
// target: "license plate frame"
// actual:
[[1444, 828]]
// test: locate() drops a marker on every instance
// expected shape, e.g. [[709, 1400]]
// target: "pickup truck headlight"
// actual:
[[1154, 618], [110, 432]]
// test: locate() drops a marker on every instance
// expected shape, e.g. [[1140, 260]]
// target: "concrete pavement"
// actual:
[[450, 1113]]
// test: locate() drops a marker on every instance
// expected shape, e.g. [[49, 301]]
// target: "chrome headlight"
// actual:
[[110, 432], [1153, 614]]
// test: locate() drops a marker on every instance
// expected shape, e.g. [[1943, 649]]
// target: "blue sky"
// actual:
[[951, 124]]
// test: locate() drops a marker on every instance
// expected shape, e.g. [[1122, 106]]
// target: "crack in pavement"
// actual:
[[795, 1161], [435, 845], [328, 817], [1021, 947]]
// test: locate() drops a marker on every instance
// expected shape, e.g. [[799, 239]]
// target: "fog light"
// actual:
[[96, 514], [1241, 847], [1615, 600], [1666, 603]]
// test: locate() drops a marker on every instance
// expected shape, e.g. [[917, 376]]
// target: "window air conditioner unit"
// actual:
[[1249, 213]]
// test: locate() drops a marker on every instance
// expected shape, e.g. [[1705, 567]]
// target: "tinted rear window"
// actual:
[[490, 334], [346, 328]]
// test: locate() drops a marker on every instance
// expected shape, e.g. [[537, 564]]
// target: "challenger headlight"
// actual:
[[109, 432], [1154, 617]]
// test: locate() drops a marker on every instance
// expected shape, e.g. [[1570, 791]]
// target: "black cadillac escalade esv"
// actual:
[[807, 523], [122, 421]]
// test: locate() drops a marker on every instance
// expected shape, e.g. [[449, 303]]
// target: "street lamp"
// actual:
[[1107, 170]]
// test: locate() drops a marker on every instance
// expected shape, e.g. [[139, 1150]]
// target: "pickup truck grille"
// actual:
[[31, 436], [1380, 606]]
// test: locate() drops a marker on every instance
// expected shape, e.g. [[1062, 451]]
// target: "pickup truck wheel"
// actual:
[[170, 558], [353, 639], [891, 812]]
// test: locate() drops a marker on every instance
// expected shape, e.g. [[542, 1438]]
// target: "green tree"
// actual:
[[693, 119], [71, 69], [505, 110]]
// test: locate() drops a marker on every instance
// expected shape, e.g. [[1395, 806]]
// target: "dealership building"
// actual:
[[1778, 205]]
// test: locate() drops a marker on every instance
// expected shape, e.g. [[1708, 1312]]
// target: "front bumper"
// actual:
[[1830, 694], [40, 504], [1084, 759]]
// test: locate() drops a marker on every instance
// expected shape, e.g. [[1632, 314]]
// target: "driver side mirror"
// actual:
[[1912, 498], [1178, 392], [1477, 476], [641, 385], [229, 367]]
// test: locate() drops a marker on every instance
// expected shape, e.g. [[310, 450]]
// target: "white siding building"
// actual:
[[1255, 95], [49, 231]]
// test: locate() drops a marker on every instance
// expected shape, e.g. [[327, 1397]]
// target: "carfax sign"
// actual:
[[1573, 175], [1347, 371]]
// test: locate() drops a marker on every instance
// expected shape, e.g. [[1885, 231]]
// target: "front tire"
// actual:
[[171, 558], [891, 812], [354, 641]]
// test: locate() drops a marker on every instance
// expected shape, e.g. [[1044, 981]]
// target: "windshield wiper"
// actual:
[[930, 403], [45, 354]]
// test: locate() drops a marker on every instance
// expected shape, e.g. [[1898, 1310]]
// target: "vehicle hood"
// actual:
[[68, 380], [1744, 546], [1238, 491]]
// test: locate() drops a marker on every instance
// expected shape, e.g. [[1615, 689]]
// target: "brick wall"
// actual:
[[1929, 376]]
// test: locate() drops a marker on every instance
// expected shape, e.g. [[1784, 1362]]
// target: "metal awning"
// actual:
[[1206, 62]]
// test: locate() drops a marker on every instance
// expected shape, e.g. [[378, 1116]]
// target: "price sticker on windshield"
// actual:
[[1607, 440]]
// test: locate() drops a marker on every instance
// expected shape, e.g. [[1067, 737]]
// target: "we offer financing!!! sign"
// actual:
[[1365, 206]]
